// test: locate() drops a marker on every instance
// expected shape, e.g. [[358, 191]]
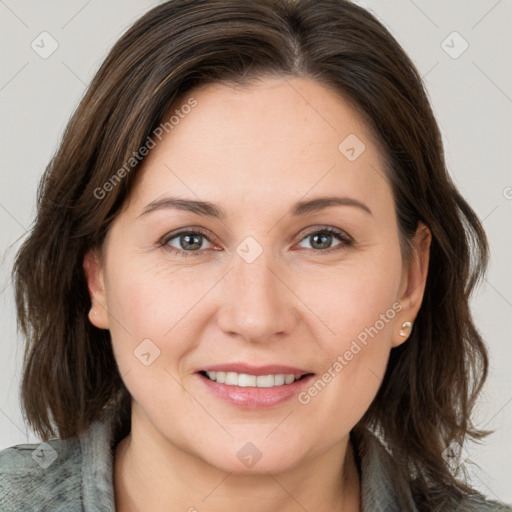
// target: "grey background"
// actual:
[[471, 96]]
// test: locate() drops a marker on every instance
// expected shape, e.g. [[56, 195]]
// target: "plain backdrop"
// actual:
[[461, 48]]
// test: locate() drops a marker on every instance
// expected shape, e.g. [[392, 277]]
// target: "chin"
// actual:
[[258, 457]]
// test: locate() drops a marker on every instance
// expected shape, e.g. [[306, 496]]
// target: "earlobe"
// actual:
[[405, 325], [98, 314], [413, 283]]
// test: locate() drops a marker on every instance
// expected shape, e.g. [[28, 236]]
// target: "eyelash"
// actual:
[[340, 235]]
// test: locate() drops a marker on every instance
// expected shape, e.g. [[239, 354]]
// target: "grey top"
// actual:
[[76, 474]]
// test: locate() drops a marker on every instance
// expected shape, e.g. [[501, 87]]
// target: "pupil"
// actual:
[[187, 245], [325, 239]]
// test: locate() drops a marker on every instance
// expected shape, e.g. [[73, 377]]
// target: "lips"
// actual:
[[254, 387]]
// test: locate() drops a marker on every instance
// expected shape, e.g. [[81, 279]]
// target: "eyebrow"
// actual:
[[207, 209]]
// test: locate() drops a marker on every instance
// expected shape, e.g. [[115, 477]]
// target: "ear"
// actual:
[[98, 315], [414, 279]]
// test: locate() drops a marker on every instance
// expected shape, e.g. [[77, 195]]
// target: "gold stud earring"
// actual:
[[405, 325]]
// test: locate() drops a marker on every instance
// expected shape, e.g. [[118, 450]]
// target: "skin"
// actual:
[[254, 151]]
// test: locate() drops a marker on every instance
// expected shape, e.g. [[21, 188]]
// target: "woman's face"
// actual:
[[266, 283]]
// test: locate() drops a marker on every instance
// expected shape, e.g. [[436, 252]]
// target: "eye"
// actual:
[[190, 242], [185, 243], [321, 239]]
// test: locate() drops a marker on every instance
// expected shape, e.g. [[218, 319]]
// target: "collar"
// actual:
[[378, 490]]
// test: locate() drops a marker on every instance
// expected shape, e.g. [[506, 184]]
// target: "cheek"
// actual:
[[358, 296], [148, 303], [148, 299], [339, 397], [359, 305]]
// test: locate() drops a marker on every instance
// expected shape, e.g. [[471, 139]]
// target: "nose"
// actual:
[[257, 304]]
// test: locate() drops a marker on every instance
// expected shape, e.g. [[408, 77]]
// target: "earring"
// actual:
[[405, 325]]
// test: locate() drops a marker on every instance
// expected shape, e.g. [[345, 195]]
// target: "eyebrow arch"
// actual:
[[207, 209]]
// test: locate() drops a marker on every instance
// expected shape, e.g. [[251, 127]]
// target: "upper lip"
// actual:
[[270, 369]]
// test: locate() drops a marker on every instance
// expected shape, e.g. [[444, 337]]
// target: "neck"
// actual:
[[151, 473]]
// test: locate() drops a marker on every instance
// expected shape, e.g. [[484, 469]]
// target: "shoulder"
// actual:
[[381, 490], [42, 476], [62, 475]]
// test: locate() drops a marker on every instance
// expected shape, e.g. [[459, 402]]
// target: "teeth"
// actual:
[[245, 380], [231, 379], [265, 381], [279, 379]]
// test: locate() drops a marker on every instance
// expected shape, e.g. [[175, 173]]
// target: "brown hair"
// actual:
[[432, 380]]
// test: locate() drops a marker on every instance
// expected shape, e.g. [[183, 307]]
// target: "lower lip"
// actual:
[[255, 398]]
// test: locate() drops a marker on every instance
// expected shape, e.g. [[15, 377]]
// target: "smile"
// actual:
[[246, 380], [254, 387]]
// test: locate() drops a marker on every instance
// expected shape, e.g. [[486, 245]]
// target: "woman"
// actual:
[[247, 285]]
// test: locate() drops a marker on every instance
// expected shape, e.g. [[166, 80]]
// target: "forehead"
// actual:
[[274, 138]]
